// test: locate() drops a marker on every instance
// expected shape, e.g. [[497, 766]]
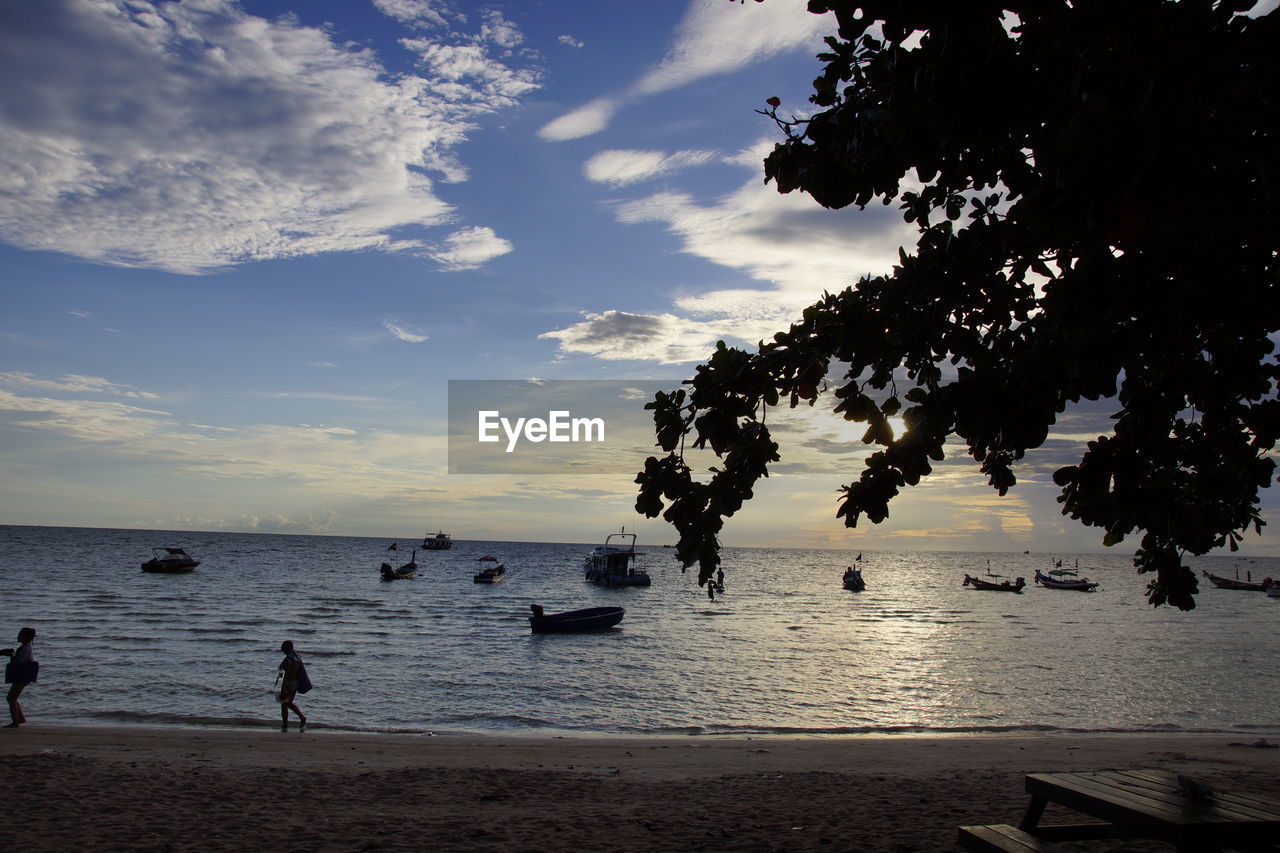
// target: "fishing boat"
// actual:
[[612, 564], [992, 586], [172, 561], [852, 579], [440, 542], [1063, 582], [492, 573], [574, 621], [403, 573], [1227, 583]]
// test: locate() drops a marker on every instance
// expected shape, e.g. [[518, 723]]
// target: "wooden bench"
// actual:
[[1002, 838]]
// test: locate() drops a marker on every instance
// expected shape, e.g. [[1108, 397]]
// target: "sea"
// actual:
[[784, 650]]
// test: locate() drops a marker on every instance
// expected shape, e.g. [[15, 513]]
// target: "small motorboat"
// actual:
[[1227, 583], [173, 561], [574, 621], [1062, 582], [992, 586], [405, 572], [492, 573], [852, 579]]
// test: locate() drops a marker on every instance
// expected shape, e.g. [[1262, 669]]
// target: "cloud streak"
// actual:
[[713, 38]]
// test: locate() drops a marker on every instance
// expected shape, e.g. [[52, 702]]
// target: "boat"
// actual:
[[492, 573], [852, 579], [1273, 591], [1227, 583], [172, 562], [440, 542], [403, 573], [1062, 582], [611, 564], [574, 621], [992, 586]]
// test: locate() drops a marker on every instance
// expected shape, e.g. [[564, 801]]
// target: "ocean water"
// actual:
[[784, 650]]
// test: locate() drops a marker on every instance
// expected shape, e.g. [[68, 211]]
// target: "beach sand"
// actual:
[[183, 789]]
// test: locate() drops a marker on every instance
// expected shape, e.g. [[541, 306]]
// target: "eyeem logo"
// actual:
[[537, 426], [559, 426]]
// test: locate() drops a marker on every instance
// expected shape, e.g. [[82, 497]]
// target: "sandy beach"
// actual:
[[161, 789]]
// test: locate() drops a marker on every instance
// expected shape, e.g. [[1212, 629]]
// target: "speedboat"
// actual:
[[173, 561], [440, 542], [574, 621], [492, 573], [611, 564]]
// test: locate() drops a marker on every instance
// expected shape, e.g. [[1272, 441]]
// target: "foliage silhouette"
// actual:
[[1095, 187]]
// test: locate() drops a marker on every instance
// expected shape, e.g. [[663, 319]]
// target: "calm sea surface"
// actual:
[[783, 650]]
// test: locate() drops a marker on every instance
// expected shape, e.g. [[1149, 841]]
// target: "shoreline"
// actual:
[[183, 788]]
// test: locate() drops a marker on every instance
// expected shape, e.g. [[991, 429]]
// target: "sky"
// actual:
[[246, 246]]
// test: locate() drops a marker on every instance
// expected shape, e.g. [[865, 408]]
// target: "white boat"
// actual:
[[613, 563], [440, 542]]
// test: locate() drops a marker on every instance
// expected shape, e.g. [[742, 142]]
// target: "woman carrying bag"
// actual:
[[22, 669]]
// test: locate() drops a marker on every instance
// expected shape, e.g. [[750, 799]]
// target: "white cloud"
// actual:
[[191, 136], [622, 167], [420, 13], [75, 383], [584, 121], [714, 37], [619, 336], [570, 41], [398, 329], [469, 248], [793, 247]]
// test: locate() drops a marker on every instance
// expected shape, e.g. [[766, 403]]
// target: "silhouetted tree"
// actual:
[[1095, 186]]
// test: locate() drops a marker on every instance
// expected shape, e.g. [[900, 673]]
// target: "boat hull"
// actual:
[[1229, 583], [990, 586], [577, 621], [169, 568], [1084, 585]]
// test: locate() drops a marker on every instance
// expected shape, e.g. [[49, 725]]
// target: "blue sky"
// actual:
[[245, 246]]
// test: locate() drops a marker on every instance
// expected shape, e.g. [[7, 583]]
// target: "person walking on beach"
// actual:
[[293, 672], [21, 671]]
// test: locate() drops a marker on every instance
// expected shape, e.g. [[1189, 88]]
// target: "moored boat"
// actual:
[[492, 573], [992, 586], [612, 564], [1228, 583], [852, 579], [574, 621], [405, 572], [1077, 584], [440, 542], [173, 561]]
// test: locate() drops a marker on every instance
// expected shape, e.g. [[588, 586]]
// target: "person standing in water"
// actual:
[[291, 666], [21, 671]]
